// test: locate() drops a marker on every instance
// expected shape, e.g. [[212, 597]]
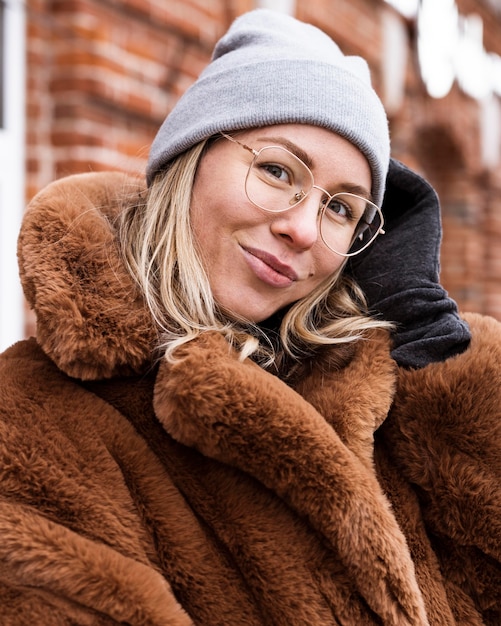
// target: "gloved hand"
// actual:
[[399, 274]]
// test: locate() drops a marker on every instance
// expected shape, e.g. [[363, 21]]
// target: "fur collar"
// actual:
[[91, 319]]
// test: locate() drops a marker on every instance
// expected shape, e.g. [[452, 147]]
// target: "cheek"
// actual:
[[196, 222], [327, 263], [204, 204], [215, 193]]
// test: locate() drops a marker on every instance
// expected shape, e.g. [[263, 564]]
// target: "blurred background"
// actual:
[[85, 84]]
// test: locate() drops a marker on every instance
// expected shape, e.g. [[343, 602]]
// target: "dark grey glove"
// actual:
[[399, 274]]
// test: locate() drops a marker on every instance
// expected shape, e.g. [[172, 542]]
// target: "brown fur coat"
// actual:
[[209, 492]]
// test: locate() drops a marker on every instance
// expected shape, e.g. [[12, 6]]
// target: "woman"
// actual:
[[209, 428]]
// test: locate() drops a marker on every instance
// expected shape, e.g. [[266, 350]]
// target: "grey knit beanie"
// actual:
[[270, 68]]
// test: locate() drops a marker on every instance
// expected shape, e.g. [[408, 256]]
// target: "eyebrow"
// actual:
[[292, 147], [358, 190]]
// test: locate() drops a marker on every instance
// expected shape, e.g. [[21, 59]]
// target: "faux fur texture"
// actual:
[[240, 415], [68, 261], [210, 492]]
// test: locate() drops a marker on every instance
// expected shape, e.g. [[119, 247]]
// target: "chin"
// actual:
[[239, 314]]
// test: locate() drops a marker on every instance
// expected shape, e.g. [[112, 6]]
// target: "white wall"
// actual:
[[12, 164]]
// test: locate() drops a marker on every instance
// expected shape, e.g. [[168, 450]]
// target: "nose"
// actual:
[[299, 225]]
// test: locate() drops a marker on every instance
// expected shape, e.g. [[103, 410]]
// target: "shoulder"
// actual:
[[468, 381], [446, 417], [23, 367], [61, 442], [46, 416]]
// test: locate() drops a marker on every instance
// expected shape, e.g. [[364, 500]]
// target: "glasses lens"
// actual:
[[277, 179], [333, 223]]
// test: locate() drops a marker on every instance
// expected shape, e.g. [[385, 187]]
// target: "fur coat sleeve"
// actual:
[[208, 491]]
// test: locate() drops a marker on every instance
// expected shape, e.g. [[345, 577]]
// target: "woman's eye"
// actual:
[[276, 171], [341, 209]]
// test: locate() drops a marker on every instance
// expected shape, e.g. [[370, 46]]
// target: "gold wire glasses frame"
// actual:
[[278, 180]]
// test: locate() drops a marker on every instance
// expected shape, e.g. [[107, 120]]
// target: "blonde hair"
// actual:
[[160, 251]]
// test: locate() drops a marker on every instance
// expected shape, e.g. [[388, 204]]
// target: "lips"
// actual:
[[274, 263]]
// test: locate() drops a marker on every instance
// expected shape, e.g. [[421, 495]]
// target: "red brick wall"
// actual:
[[102, 74]]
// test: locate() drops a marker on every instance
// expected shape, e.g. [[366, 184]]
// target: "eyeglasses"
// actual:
[[277, 181]]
